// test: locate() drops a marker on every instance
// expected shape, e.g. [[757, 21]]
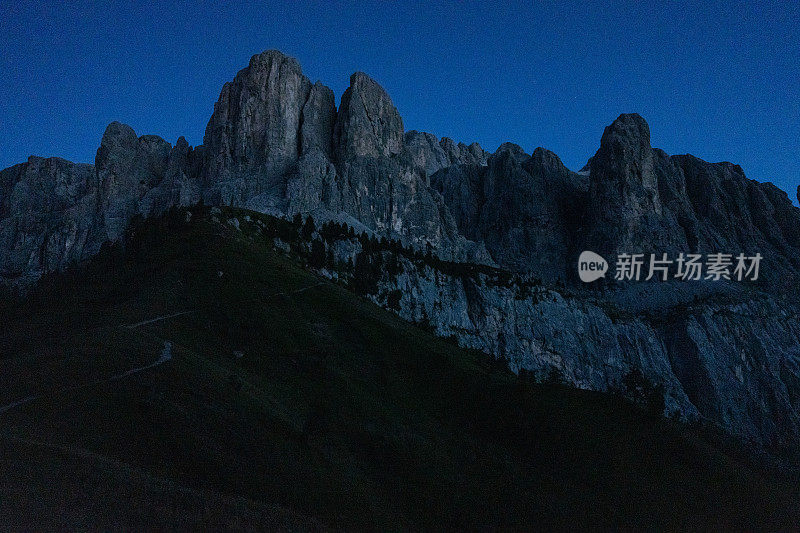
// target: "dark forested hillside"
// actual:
[[197, 377]]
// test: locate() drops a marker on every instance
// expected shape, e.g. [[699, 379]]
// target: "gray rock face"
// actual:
[[429, 155], [128, 168], [54, 213], [180, 185], [524, 208], [379, 186], [642, 200], [254, 137], [276, 143], [624, 212], [737, 364], [724, 210], [522, 221], [732, 357], [462, 154], [319, 119], [141, 176], [368, 124], [424, 152], [48, 216], [462, 189]]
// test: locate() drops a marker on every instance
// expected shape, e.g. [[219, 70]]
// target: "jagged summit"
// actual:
[[630, 126], [272, 55], [277, 143], [368, 123], [512, 149], [254, 136], [116, 132]]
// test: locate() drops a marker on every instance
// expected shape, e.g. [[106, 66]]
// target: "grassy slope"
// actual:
[[338, 413]]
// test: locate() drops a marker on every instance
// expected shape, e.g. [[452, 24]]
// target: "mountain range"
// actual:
[[501, 231]]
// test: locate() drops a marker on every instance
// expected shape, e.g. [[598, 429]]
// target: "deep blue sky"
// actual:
[[721, 81]]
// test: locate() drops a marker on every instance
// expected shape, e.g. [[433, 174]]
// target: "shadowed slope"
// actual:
[[289, 397]]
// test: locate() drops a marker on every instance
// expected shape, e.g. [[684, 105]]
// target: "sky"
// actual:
[[717, 80]]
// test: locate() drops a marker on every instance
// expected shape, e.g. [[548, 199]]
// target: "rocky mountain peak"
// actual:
[[431, 155], [547, 159], [127, 168], [368, 123], [624, 205], [625, 159], [625, 152], [182, 144], [253, 136], [117, 136], [267, 58], [628, 129], [511, 151]]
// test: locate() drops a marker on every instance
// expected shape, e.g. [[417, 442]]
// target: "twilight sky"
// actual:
[[718, 80]]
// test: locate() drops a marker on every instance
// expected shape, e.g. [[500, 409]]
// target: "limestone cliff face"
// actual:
[[369, 124], [276, 143], [624, 211], [642, 200], [140, 175], [48, 217], [737, 364], [723, 210], [254, 135], [523, 207], [54, 213]]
